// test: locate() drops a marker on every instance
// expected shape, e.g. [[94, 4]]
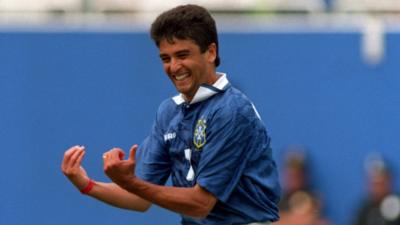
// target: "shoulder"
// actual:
[[166, 110], [167, 105], [231, 109], [235, 103]]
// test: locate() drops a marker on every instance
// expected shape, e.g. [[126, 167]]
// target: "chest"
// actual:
[[188, 130]]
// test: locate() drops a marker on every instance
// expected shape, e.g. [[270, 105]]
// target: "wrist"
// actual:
[[128, 184], [88, 187]]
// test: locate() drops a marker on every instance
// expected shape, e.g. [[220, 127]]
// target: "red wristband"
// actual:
[[88, 187]]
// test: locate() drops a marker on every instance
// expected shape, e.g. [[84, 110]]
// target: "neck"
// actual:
[[210, 81]]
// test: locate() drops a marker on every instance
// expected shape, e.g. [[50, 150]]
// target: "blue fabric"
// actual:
[[235, 163]]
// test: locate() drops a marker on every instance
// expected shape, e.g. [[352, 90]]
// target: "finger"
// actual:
[[74, 156], [108, 159], [68, 154], [117, 154], [105, 156], [79, 159], [108, 156], [121, 155], [132, 152], [71, 149]]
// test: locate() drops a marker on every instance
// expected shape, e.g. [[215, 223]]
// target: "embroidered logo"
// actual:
[[199, 136]]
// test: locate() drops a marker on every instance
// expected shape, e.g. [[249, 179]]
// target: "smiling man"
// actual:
[[209, 139], [186, 65]]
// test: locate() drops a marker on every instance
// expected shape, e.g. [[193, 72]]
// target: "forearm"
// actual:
[[194, 202], [114, 195]]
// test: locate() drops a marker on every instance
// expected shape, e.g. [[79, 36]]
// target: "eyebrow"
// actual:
[[184, 51]]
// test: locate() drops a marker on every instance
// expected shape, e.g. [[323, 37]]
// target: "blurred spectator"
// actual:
[[299, 204], [381, 206]]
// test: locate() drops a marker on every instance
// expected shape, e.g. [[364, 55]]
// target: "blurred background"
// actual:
[[324, 76]]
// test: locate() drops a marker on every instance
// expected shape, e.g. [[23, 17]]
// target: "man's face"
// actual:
[[186, 66]]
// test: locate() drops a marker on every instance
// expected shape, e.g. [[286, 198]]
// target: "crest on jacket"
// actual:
[[199, 136]]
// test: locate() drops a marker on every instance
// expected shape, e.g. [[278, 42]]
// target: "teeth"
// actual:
[[182, 76]]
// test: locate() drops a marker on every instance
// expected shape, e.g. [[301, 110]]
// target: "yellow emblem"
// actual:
[[199, 136]]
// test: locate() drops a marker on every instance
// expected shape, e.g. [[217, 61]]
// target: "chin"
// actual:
[[183, 90]]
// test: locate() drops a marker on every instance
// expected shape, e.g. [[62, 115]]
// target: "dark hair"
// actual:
[[185, 22]]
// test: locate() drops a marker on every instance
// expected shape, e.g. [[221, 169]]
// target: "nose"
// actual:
[[175, 65]]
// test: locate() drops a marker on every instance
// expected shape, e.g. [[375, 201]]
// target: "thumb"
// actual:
[[132, 152]]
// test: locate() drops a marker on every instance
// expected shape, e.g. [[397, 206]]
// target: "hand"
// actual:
[[120, 171], [71, 166]]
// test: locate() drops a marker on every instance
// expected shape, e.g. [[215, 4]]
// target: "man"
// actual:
[[382, 205], [209, 139], [300, 204]]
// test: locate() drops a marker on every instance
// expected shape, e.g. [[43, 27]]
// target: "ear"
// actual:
[[212, 52]]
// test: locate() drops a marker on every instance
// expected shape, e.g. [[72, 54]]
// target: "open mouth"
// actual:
[[181, 76]]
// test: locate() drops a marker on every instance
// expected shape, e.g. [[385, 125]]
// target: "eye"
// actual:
[[182, 56], [165, 59]]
